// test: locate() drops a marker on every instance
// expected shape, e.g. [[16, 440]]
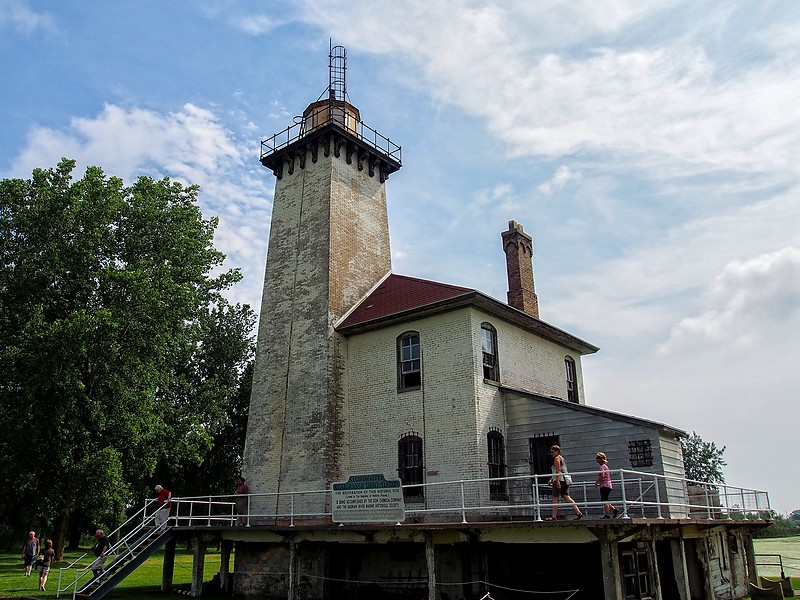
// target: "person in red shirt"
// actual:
[[163, 505], [242, 504]]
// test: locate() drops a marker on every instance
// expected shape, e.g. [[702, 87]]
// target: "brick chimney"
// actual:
[[518, 247]]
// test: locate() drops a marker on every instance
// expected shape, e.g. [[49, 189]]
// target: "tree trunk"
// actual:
[[60, 535], [75, 531]]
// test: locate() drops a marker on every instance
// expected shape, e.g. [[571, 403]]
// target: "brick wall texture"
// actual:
[[328, 246]]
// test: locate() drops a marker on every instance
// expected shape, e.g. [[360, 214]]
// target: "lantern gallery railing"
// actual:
[[637, 495], [335, 113]]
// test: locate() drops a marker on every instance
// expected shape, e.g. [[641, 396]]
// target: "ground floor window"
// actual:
[[636, 575], [540, 459], [409, 458], [497, 465]]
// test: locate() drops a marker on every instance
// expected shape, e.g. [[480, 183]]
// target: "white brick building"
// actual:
[[359, 370]]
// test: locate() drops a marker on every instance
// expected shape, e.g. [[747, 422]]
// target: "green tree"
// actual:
[[109, 298], [781, 527], [212, 395], [702, 460], [222, 463]]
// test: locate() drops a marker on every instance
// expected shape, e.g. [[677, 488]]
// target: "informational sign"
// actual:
[[367, 499]]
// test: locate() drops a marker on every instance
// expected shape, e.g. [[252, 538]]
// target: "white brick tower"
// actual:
[[328, 246]]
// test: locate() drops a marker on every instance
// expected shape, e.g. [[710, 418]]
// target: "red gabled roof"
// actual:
[[397, 294], [398, 298]]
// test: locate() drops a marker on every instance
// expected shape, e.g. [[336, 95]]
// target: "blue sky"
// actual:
[[652, 150]]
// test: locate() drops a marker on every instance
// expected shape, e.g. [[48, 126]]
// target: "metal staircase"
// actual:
[[140, 542]]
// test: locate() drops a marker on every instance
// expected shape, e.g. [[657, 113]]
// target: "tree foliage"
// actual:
[[702, 460], [780, 527], [119, 352]]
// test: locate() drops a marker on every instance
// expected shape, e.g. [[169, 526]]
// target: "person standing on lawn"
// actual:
[[29, 551], [48, 557]]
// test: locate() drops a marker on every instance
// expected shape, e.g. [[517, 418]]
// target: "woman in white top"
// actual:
[[560, 486]]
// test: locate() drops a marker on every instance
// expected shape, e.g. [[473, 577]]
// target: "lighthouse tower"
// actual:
[[328, 246]]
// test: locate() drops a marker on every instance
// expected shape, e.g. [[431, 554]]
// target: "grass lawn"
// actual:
[[144, 582], [789, 549]]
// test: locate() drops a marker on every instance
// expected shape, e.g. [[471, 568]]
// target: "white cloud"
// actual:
[[189, 145], [19, 16], [661, 281], [256, 24], [749, 301], [559, 179], [546, 83], [239, 16], [492, 197]]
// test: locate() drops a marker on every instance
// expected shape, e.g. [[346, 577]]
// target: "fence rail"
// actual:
[[528, 497]]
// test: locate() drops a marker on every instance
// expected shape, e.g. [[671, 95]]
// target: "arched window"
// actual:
[[409, 362], [409, 465], [572, 380], [489, 351], [497, 464]]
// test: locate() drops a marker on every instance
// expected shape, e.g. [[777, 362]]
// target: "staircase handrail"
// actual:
[[113, 549]]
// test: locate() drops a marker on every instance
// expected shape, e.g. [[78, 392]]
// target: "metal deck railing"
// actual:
[[638, 495]]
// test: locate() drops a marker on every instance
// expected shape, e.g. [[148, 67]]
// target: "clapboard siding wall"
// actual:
[[583, 431]]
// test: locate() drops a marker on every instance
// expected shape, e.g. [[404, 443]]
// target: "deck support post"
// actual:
[[432, 564], [612, 571], [168, 568], [750, 559], [225, 548], [198, 562], [293, 579], [657, 595], [679, 567]]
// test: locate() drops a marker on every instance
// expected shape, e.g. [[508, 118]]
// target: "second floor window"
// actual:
[[572, 380], [409, 465], [489, 352], [409, 361]]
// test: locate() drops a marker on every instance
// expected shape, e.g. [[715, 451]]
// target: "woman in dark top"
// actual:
[[44, 567]]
